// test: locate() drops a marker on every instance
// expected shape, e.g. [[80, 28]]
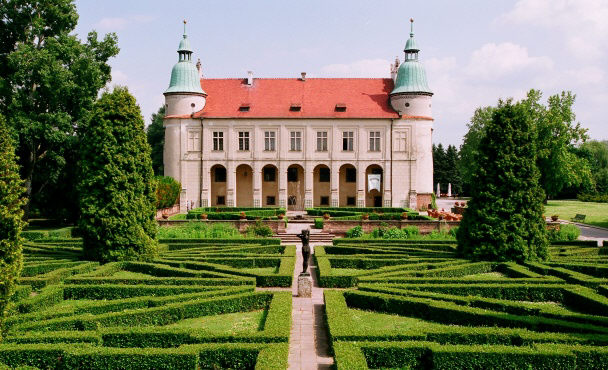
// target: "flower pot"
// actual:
[[404, 216], [554, 218], [203, 216], [165, 216], [326, 216], [365, 216]]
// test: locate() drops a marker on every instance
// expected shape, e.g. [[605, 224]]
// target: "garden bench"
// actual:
[[578, 218]]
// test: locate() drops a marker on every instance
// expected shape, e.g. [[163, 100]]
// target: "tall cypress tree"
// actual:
[[156, 139], [504, 221], [117, 194], [11, 214]]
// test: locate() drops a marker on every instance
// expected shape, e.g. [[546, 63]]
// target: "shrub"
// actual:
[[599, 198], [116, 188], [503, 221], [11, 212], [565, 232], [259, 230], [355, 232], [199, 230], [318, 223], [167, 191]]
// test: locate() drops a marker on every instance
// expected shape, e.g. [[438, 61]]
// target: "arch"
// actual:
[[244, 186], [270, 186], [373, 198], [321, 186], [295, 187], [219, 176], [348, 185]]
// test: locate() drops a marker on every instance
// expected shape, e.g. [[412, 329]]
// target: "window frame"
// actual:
[[218, 141], [322, 139], [295, 141], [348, 141], [244, 141], [375, 138], [270, 141]]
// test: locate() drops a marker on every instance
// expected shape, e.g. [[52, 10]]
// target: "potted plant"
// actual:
[[243, 216], [203, 216], [365, 216], [326, 216], [164, 215], [554, 218], [404, 215]]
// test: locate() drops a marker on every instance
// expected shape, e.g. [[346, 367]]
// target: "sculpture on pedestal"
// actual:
[[305, 237]]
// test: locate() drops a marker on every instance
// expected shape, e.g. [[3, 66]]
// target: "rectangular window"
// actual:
[[244, 140], [270, 139], [218, 140], [321, 141], [292, 174], [323, 174], [220, 174], [296, 141], [400, 142], [221, 200], [270, 201], [351, 175], [350, 201], [270, 174], [348, 139], [324, 201], [193, 141], [374, 141]]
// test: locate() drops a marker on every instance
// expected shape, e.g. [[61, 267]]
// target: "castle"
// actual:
[[300, 142]]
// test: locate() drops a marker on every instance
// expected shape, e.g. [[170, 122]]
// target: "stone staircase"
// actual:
[[315, 237]]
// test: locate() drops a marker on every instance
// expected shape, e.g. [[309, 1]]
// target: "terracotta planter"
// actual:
[[165, 216], [365, 216], [404, 216], [203, 216], [326, 216], [554, 218]]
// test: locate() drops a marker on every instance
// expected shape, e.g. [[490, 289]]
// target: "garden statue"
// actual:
[[305, 237]]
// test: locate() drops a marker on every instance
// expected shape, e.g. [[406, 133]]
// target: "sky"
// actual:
[[474, 51]]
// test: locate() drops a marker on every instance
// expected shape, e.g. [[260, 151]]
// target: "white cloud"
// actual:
[[118, 77], [359, 68], [119, 23], [581, 22], [493, 61]]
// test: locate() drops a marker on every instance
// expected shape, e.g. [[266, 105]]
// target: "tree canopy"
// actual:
[[503, 221], [557, 137], [11, 202], [116, 187], [156, 139], [49, 80]]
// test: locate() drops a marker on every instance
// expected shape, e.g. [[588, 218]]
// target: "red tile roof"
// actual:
[[273, 97]]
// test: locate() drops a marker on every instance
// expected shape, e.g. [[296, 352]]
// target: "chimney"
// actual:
[[303, 74], [199, 68], [249, 78], [395, 69]]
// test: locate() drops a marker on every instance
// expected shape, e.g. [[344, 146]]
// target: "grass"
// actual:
[[130, 275], [485, 275], [228, 324], [199, 230], [375, 322], [596, 213]]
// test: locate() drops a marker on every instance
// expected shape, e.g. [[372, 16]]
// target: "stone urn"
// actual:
[[165, 216], [554, 218], [326, 216]]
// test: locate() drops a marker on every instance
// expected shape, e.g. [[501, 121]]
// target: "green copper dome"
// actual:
[[411, 76], [184, 75]]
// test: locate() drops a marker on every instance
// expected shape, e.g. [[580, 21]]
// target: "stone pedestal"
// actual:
[[304, 286]]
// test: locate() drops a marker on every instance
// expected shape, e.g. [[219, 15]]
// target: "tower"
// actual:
[[183, 98], [411, 98], [411, 95], [184, 94]]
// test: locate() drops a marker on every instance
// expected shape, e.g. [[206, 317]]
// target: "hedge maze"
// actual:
[[417, 305], [195, 306]]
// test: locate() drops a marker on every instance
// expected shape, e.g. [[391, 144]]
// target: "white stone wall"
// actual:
[[405, 155]]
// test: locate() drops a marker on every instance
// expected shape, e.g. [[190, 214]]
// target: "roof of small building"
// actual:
[[317, 97]]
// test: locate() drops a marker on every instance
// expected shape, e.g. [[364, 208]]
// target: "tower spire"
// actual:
[[411, 27], [185, 21]]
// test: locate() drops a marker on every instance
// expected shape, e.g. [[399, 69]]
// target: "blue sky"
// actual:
[[474, 51]]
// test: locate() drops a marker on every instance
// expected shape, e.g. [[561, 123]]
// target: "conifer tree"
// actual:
[[504, 221], [11, 214], [117, 191]]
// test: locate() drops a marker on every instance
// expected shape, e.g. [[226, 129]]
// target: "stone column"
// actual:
[[230, 185], [257, 184], [308, 184], [282, 184], [387, 198], [361, 179], [335, 184]]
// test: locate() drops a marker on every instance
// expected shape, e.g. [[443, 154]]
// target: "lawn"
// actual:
[[597, 213]]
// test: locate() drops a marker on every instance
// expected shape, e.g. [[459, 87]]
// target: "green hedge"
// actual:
[[71, 356], [175, 243], [432, 355]]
